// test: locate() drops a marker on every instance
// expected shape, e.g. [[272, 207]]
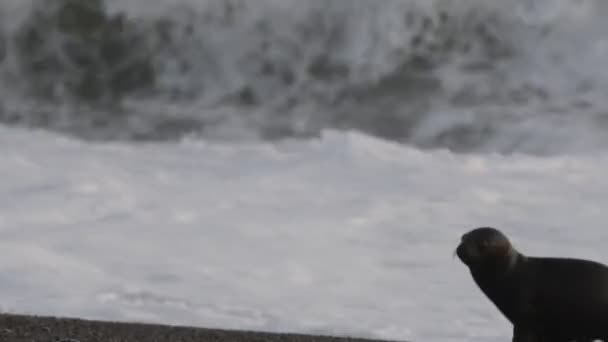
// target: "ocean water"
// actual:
[[294, 166], [467, 75]]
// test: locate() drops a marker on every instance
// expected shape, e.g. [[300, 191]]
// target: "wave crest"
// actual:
[[429, 73]]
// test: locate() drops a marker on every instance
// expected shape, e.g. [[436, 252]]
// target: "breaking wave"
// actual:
[[468, 75]]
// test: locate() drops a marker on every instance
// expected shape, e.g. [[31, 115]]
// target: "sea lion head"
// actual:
[[486, 249]]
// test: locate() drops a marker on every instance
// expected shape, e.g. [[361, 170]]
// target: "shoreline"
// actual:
[[32, 328]]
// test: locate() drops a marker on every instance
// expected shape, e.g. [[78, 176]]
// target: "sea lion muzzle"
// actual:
[[467, 253]]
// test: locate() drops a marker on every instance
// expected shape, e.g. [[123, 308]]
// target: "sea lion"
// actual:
[[546, 299]]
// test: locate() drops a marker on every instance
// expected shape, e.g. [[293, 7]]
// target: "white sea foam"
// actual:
[[344, 235], [519, 76]]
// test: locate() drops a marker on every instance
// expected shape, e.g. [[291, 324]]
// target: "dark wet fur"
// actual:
[[546, 299]]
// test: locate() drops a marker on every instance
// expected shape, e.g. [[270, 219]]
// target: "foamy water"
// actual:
[[345, 235], [510, 76]]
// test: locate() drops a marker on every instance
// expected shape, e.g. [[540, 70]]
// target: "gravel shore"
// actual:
[[23, 328]]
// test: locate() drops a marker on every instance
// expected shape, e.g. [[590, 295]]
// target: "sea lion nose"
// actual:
[[460, 251]]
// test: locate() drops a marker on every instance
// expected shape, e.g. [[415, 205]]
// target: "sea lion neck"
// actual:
[[499, 268], [515, 258]]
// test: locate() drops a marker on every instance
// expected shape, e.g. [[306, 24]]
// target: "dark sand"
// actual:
[[21, 328]]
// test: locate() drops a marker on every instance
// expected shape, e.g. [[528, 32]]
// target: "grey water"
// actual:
[[469, 76]]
